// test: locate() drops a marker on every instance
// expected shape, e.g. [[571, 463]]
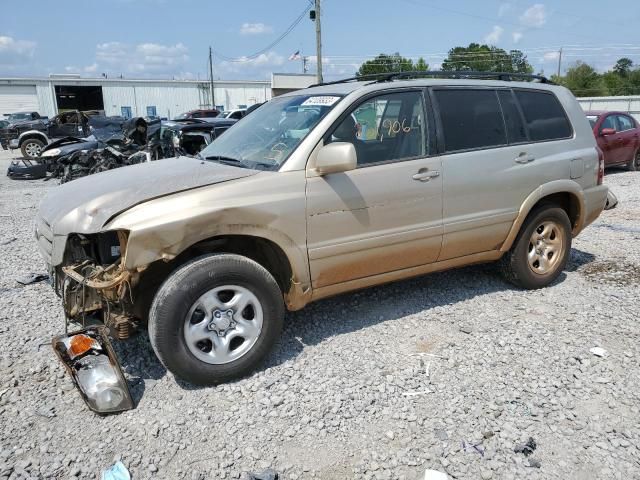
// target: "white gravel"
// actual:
[[383, 384]]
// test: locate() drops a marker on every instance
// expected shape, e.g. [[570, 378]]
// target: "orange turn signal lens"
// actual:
[[79, 344]]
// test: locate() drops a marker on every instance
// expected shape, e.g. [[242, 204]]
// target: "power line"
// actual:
[[255, 55]]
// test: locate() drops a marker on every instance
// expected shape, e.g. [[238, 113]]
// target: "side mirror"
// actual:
[[607, 131], [336, 157]]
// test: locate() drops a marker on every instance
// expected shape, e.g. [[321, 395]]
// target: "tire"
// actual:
[[190, 323], [634, 164], [518, 265], [31, 148]]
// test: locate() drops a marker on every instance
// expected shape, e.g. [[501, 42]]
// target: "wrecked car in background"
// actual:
[[32, 136], [188, 136], [116, 142], [109, 147]]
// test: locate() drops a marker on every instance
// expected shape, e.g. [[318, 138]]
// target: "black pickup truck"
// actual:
[[31, 136]]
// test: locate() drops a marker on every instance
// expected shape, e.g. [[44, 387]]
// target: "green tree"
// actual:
[[584, 81], [623, 66], [385, 63], [485, 58], [421, 65]]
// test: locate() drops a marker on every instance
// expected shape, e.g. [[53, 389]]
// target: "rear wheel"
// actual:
[[541, 249], [634, 164], [31, 148], [216, 318]]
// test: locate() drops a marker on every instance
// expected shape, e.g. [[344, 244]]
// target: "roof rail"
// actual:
[[467, 74]]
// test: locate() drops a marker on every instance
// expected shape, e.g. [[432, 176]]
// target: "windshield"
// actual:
[[224, 114], [265, 139], [182, 116], [19, 116], [592, 120]]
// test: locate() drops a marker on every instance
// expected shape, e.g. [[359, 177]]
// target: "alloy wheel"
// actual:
[[223, 324], [545, 247], [33, 149]]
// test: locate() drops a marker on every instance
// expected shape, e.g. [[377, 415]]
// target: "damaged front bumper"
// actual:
[[92, 364], [95, 288]]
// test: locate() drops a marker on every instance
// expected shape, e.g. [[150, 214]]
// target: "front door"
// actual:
[[66, 124], [385, 215], [611, 145]]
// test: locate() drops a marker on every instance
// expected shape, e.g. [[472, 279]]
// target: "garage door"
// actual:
[[18, 98]]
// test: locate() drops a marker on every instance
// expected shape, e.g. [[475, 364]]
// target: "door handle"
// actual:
[[524, 157], [425, 175]]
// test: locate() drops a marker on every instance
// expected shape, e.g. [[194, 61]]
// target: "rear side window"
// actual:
[[544, 116], [470, 119], [512, 117], [625, 123]]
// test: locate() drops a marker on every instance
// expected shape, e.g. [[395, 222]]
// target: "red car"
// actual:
[[618, 136], [211, 113]]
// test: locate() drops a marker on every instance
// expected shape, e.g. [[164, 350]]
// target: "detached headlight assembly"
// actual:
[[91, 361], [54, 152]]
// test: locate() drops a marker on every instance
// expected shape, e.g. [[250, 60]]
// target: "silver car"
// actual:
[[318, 192]]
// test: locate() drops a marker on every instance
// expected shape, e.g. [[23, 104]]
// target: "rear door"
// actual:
[[386, 215], [629, 137], [497, 149]]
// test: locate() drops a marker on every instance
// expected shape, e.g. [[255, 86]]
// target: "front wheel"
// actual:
[[541, 249], [31, 148], [216, 318]]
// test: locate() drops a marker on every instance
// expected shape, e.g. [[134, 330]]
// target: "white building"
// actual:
[[126, 97]]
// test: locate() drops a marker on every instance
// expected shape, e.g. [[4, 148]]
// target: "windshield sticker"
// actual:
[[323, 101]]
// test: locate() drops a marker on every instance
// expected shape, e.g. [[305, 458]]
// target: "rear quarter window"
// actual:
[[470, 119], [544, 116]]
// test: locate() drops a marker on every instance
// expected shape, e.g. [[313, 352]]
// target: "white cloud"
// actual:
[[314, 59], [255, 29], [91, 68], [517, 36], [548, 56], [15, 53], [493, 37], [152, 58], [534, 16], [262, 64], [503, 9]]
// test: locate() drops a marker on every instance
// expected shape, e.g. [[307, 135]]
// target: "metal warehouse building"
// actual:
[[164, 98]]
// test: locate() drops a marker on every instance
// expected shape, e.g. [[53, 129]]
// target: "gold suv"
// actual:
[[319, 192]]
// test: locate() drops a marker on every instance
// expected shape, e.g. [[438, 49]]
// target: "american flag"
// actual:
[[295, 55]]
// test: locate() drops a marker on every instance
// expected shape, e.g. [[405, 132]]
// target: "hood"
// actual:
[[85, 205], [69, 145]]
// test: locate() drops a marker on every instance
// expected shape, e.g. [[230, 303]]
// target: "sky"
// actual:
[[171, 38]]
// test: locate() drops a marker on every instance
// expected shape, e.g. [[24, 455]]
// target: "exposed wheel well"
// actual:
[[565, 200], [263, 251], [30, 136]]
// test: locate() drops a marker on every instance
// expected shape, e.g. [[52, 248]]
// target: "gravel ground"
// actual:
[[448, 372]]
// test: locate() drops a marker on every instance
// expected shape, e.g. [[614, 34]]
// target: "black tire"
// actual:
[[179, 293], [27, 146], [514, 265], [634, 164]]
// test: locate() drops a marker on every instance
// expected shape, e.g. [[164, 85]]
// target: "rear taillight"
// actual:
[[600, 165]]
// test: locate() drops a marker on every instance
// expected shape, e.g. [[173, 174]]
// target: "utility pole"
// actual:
[[213, 98], [318, 42], [559, 61], [304, 64]]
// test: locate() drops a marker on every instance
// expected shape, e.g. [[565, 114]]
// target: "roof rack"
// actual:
[[388, 77]]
